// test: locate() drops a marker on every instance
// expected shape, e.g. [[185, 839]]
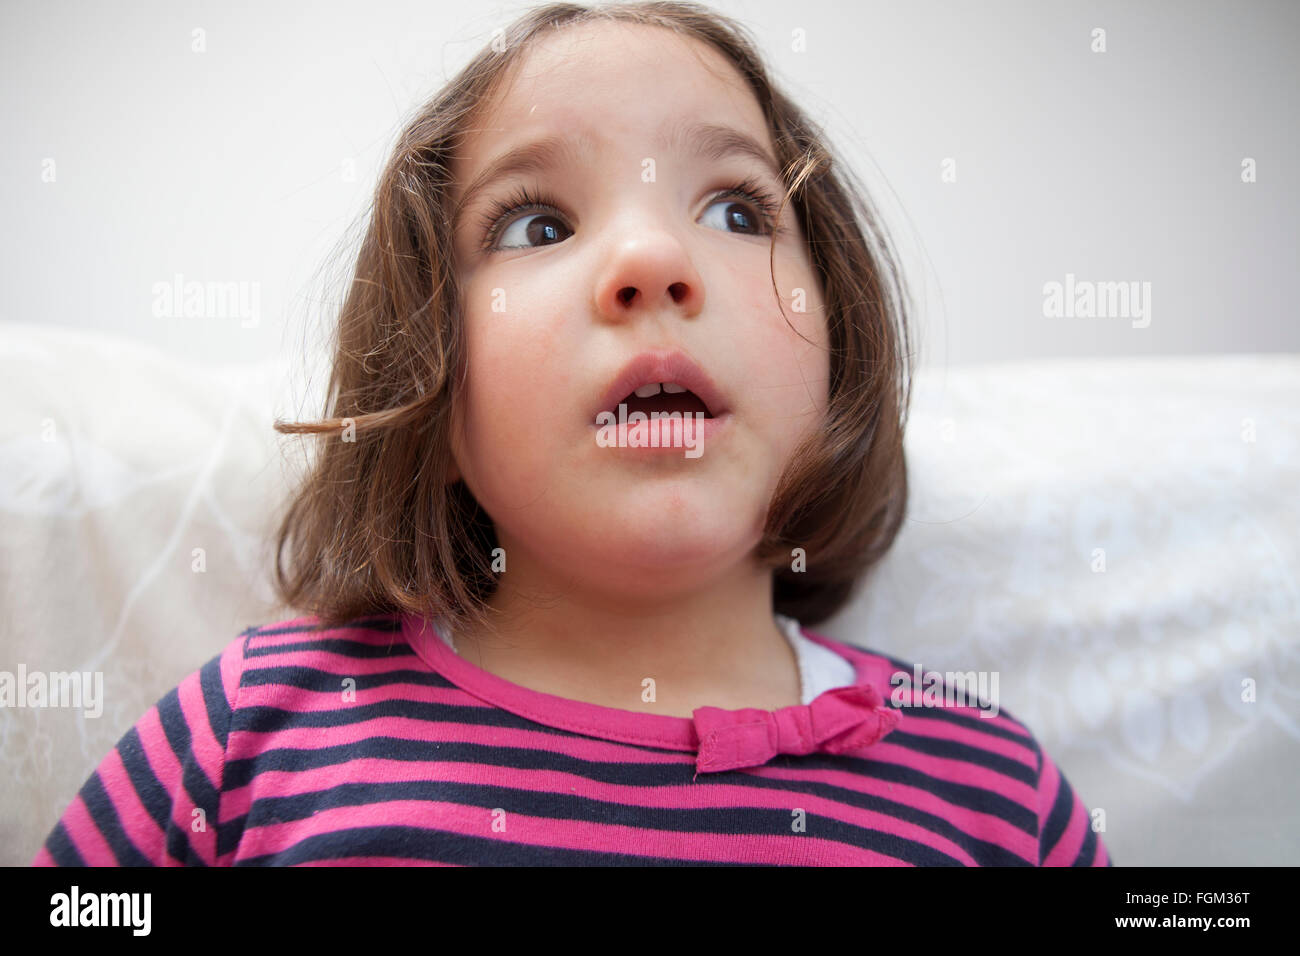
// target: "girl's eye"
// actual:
[[759, 220], [542, 229], [506, 228], [502, 230]]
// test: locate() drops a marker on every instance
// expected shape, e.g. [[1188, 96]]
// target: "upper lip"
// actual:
[[661, 365]]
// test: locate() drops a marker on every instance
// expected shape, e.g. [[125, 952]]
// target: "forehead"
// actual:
[[617, 81]]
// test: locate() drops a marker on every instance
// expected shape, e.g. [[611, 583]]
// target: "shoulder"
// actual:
[[959, 707], [307, 633], [955, 727], [300, 653]]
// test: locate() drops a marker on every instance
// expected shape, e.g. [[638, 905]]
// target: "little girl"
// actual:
[[617, 403]]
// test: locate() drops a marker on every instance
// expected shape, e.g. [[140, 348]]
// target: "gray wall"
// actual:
[[1122, 166]]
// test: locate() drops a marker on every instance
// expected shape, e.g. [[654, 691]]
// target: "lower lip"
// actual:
[[673, 436]]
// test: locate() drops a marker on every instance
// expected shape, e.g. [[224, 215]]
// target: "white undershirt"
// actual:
[[820, 668]]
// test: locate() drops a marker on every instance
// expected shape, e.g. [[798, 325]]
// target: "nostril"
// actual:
[[678, 291], [626, 295]]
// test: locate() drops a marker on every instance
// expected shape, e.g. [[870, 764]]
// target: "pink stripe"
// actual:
[[232, 664], [318, 701], [208, 755], [913, 699], [237, 802], [1022, 753], [986, 827], [640, 739], [157, 751], [1049, 782], [955, 771], [365, 635], [168, 770], [582, 835], [382, 770], [286, 783], [43, 858], [1071, 841], [142, 829], [249, 744], [1067, 848], [85, 836], [331, 658], [207, 751], [700, 795], [334, 663]]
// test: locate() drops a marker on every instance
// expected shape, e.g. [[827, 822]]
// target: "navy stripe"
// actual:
[[651, 775], [335, 645], [61, 847], [214, 699], [153, 795], [964, 795], [956, 750], [1057, 820], [413, 843], [293, 760], [220, 718], [270, 719], [195, 782], [760, 821], [1087, 852], [229, 835], [754, 805], [967, 720], [110, 827], [325, 681]]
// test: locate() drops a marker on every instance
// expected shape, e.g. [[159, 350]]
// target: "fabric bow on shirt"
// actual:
[[838, 721]]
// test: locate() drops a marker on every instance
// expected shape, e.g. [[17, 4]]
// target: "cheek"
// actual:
[[788, 353], [516, 359]]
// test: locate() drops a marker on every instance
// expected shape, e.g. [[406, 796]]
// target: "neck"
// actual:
[[713, 644]]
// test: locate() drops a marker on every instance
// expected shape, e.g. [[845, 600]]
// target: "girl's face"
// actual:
[[637, 245]]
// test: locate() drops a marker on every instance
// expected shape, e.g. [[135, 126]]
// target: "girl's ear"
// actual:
[[453, 473]]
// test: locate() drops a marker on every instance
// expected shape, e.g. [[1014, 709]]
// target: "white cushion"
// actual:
[[117, 462]]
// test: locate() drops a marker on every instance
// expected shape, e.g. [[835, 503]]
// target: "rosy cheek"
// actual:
[[504, 411]]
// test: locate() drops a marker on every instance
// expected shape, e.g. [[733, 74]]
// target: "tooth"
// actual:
[[672, 388], [647, 391]]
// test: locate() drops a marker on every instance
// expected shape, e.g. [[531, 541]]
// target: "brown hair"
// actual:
[[374, 528]]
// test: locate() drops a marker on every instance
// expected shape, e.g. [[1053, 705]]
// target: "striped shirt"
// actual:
[[375, 743]]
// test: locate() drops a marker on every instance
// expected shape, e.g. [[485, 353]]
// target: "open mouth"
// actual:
[[663, 380], [665, 398]]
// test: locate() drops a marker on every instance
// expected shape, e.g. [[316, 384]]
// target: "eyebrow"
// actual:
[[709, 141]]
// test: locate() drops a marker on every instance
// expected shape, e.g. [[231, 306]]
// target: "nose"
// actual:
[[650, 272]]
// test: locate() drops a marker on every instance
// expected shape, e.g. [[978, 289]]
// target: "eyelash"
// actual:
[[522, 200]]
